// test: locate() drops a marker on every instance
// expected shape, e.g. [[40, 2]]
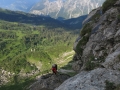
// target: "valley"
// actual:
[[28, 50], [81, 37]]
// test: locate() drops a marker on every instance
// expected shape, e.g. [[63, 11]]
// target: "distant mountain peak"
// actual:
[[54, 8], [65, 8]]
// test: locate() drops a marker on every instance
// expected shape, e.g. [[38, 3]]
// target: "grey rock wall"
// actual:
[[104, 48], [92, 80]]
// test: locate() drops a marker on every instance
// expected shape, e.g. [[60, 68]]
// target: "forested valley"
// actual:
[[25, 48], [20, 43]]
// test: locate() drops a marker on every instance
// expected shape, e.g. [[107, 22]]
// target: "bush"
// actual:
[[86, 30], [101, 58], [90, 64], [118, 87], [109, 85], [119, 56], [81, 43], [79, 51], [119, 16], [21, 84], [85, 33], [96, 17], [108, 4]]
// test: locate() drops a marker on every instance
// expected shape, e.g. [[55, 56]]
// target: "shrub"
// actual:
[[101, 58], [109, 85], [119, 56], [86, 30], [118, 18], [80, 44], [108, 4], [90, 64], [79, 50], [95, 17], [119, 59], [118, 87], [85, 33]]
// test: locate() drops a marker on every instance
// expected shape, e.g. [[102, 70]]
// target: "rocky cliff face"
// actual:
[[97, 50], [48, 82], [93, 80], [97, 58]]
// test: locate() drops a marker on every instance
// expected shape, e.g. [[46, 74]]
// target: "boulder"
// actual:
[[48, 82], [92, 80]]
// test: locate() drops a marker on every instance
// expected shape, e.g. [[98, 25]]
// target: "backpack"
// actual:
[[54, 65]]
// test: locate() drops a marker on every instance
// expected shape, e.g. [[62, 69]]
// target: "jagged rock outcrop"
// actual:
[[93, 80], [97, 50], [97, 57], [93, 12], [106, 39], [48, 82]]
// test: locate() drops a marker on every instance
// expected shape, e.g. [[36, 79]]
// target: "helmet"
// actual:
[[53, 65]]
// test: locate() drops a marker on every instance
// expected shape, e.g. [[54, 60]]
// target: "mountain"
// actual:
[[97, 54], [27, 52], [75, 23], [22, 17], [29, 45], [97, 48], [65, 8], [19, 5], [18, 16]]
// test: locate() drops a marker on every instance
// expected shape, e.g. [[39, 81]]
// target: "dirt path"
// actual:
[[66, 71], [64, 58]]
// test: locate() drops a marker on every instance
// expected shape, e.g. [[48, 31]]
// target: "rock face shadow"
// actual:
[[49, 82]]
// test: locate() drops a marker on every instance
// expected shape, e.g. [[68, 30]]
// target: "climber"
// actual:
[[54, 68]]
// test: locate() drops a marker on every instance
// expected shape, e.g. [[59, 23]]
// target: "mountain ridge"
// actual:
[[22, 17], [55, 8], [97, 52], [29, 46], [66, 9], [97, 58]]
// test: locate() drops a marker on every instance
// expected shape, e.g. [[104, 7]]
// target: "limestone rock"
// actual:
[[48, 82], [93, 80], [102, 50], [112, 61]]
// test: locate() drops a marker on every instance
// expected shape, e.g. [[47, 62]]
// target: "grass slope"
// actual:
[[26, 47]]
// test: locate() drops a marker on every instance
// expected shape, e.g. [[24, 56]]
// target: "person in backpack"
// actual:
[[54, 68]]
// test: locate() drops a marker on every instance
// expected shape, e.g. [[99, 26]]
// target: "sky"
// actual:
[[17, 4]]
